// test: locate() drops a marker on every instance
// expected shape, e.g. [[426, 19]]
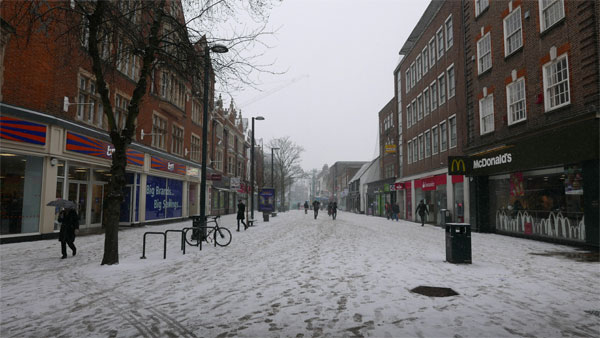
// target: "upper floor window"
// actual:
[[399, 90], [121, 104], [415, 150], [515, 97], [484, 53], [409, 159], [127, 62], [196, 146], [551, 11], [219, 160], [159, 131], [413, 75], [85, 31], [177, 143], [452, 130], [435, 139], [408, 116], [556, 83], [486, 114], [480, 6], [440, 42], [443, 136], [433, 90], [432, 52], [426, 101], [513, 38], [230, 165], [420, 106], [442, 84], [421, 147], [196, 112], [425, 57], [449, 33], [427, 143], [414, 111], [407, 80], [240, 169], [89, 109], [451, 82], [419, 67]]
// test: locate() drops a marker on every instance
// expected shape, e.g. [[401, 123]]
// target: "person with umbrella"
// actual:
[[69, 222]]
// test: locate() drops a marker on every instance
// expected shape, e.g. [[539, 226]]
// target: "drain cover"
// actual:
[[433, 291]]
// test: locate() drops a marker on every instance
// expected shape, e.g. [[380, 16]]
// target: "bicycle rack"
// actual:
[[164, 241]]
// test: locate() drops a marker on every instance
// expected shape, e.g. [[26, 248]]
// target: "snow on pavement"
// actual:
[[298, 277]]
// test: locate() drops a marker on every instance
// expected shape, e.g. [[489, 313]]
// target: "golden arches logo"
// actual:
[[458, 163]]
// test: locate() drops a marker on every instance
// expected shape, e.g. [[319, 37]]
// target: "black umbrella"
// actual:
[[60, 203]]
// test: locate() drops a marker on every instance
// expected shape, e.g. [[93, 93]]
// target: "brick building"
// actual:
[[431, 113], [55, 142], [532, 117]]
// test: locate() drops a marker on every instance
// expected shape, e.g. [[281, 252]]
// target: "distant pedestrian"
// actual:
[[422, 210], [329, 206], [241, 209], [69, 222], [395, 211], [388, 210], [316, 205], [305, 207], [334, 210]]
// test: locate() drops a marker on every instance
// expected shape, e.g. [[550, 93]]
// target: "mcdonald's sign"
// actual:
[[458, 165]]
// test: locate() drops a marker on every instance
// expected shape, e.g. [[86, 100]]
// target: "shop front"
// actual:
[[432, 190]]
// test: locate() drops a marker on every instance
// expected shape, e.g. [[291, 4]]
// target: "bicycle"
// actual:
[[216, 234]]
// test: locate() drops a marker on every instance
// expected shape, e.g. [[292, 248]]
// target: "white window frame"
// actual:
[[451, 85], [419, 67], [481, 56], [421, 146], [413, 76], [409, 158], [432, 52], [408, 116], [433, 92], [407, 80], [427, 143], [450, 35], [543, 11], [425, 58], [547, 97], [435, 140], [426, 101], [480, 6], [159, 134], [452, 130], [483, 114], [177, 143], [440, 38], [511, 104], [517, 33], [442, 90], [195, 148], [420, 107], [443, 136], [414, 111], [415, 150]]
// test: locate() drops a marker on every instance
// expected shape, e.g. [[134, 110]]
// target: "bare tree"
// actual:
[[138, 37], [287, 163]]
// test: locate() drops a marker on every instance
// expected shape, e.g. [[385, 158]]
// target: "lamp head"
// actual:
[[219, 49], [259, 118]]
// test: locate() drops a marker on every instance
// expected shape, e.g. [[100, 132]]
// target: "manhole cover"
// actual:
[[433, 291]]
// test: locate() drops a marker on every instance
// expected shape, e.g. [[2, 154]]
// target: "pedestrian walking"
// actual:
[[422, 210], [69, 222], [241, 209], [329, 205], [316, 205], [395, 211], [305, 207], [334, 210], [388, 210]]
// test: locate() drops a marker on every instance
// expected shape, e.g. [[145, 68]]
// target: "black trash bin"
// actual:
[[458, 243], [445, 217], [197, 222], [265, 216]]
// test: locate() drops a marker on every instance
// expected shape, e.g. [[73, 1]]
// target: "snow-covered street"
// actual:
[[299, 277]]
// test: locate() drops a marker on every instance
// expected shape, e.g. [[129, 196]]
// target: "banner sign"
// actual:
[[164, 198], [457, 165], [93, 147], [266, 196], [234, 183], [164, 165], [22, 131], [214, 177], [390, 148], [194, 172]]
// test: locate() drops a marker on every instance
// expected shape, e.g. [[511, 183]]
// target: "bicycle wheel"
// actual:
[[222, 236], [191, 237]]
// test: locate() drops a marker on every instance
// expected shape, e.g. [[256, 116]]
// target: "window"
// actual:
[[219, 160], [420, 105], [413, 75], [407, 78], [419, 68], [159, 131], [408, 116], [432, 52], [239, 169], [85, 31], [440, 42], [177, 143], [164, 84], [121, 105], [415, 150], [442, 91], [449, 33], [414, 111], [421, 147], [480, 6], [433, 90], [551, 11], [484, 53], [452, 127], [451, 82], [443, 136], [486, 114], [399, 91], [435, 139], [513, 39], [196, 148], [427, 143], [426, 101], [91, 111], [126, 61], [196, 116], [230, 165], [556, 83], [425, 56], [409, 152], [515, 97]]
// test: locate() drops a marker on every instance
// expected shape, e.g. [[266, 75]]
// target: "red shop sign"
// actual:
[[398, 186]]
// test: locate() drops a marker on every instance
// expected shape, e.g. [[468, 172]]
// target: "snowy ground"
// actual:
[[298, 277]]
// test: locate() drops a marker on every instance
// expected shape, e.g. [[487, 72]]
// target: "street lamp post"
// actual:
[[259, 118], [273, 182], [215, 49]]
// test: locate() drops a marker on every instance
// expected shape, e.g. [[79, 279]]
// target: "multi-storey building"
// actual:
[[55, 142], [431, 113], [532, 125], [340, 174]]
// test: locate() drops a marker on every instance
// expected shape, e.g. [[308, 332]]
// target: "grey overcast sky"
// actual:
[[341, 54]]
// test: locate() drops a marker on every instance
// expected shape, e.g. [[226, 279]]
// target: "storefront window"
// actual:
[[459, 202], [545, 203], [20, 193]]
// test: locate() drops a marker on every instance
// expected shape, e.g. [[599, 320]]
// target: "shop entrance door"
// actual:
[[126, 210], [96, 203], [78, 194]]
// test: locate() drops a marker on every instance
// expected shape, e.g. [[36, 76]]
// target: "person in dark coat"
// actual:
[[422, 210], [334, 210], [241, 209], [329, 205], [395, 211], [69, 222], [305, 207], [316, 205]]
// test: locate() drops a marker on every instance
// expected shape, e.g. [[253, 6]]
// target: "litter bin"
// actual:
[[458, 243], [265, 216], [445, 217], [197, 222]]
